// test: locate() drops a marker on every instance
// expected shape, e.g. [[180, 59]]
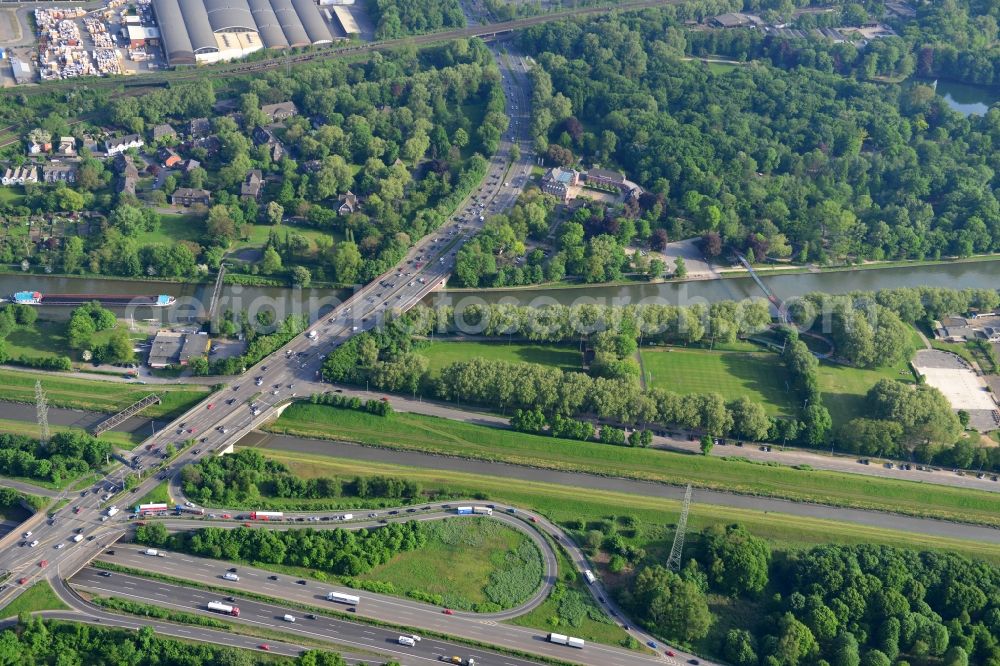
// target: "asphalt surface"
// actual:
[[646, 488], [270, 616]]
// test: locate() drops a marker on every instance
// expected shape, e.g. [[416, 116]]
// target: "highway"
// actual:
[[258, 395]]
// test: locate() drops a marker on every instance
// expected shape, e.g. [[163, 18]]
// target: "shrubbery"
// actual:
[[67, 454]]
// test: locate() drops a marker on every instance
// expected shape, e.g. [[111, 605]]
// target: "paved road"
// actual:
[[270, 616], [581, 480]]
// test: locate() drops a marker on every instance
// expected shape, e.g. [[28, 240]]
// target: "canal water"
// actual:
[[192, 299]]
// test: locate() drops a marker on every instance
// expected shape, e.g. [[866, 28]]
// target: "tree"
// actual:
[[119, 348], [670, 605], [795, 643], [274, 212], [845, 650], [346, 262], [72, 256], [707, 443], [680, 268], [737, 562], [220, 225], [750, 419], [301, 276], [80, 332], [271, 262], [740, 648]]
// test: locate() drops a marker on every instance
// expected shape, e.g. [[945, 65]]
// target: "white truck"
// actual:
[[220, 607], [152, 552], [483, 510], [229, 575], [289, 618], [112, 510], [78, 538], [341, 598], [562, 639], [347, 516], [407, 640], [589, 575], [313, 335]]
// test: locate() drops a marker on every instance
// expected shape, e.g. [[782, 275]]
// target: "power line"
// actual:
[[674, 561]]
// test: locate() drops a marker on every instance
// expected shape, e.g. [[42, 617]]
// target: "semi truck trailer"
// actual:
[[561, 639], [220, 607]]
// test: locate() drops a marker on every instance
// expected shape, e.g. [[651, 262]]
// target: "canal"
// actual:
[[192, 299]]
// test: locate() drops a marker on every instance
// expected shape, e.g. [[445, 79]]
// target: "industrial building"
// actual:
[[203, 31], [171, 348], [346, 20]]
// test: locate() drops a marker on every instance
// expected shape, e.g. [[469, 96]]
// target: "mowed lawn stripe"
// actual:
[[759, 375], [440, 354], [564, 503], [435, 435]]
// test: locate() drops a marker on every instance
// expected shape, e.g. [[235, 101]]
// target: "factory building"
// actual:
[[203, 31], [346, 20]]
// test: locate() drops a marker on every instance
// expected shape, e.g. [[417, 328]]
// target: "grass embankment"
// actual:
[[466, 564], [440, 354], [38, 597], [760, 376], [564, 504], [98, 395], [31, 429], [442, 436], [158, 494]]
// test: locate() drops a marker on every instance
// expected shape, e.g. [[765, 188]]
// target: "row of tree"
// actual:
[[34, 640], [248, 478], [338, 551]]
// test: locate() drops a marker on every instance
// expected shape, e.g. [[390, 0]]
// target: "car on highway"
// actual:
[[272, 578], [448, 611], [310, 616], [33, 543], [265, 647], [300, 582], [670, 653], [651, 644]]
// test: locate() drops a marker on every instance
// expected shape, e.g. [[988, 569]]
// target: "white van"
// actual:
[[407, 640], [229, 575], [289, 618]]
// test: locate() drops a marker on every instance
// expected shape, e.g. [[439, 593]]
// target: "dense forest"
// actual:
[[954, 39], [799, 164], [396, 18], [34, 641], [833, 605]]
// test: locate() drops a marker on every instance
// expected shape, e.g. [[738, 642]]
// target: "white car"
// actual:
[[59, 546], [27, 535], [33, 543]]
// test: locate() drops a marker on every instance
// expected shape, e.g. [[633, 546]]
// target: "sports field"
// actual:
[[441, 354], [759, 375]]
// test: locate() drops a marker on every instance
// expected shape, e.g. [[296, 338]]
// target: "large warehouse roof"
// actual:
[[189, 27]]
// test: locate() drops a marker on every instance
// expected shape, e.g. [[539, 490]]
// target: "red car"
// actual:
[[76, 509], [264, 646], [190, 430], [246, 525], [43, 564], [210, 405], [22, 581], [534, 520], [670, 653], [448, 611], [226, 515]]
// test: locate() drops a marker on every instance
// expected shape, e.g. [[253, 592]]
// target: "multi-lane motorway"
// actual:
[[255, 396]]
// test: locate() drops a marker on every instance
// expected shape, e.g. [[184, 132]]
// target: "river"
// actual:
[[192, 299], [967, 99]]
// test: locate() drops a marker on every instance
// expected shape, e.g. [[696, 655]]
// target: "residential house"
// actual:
[[90, 143], [39, 147], [199, 127], [348, 203], [558, 181], [252, 185], [168, 158], [164, 131], [190, 165], [279, 111], [119, 145], [67, 146], [188, 196], [20, 175], [265, 137], [59, 173], [128, 174]]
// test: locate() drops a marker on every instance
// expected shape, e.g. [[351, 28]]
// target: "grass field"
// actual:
[[440, 354], [844, 388], [759, 375], [97, 395], [442, 436], [46, 339], [31, 429], [656, 516], [456, 562], [173, 228], [38, 597], [157, 494]]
